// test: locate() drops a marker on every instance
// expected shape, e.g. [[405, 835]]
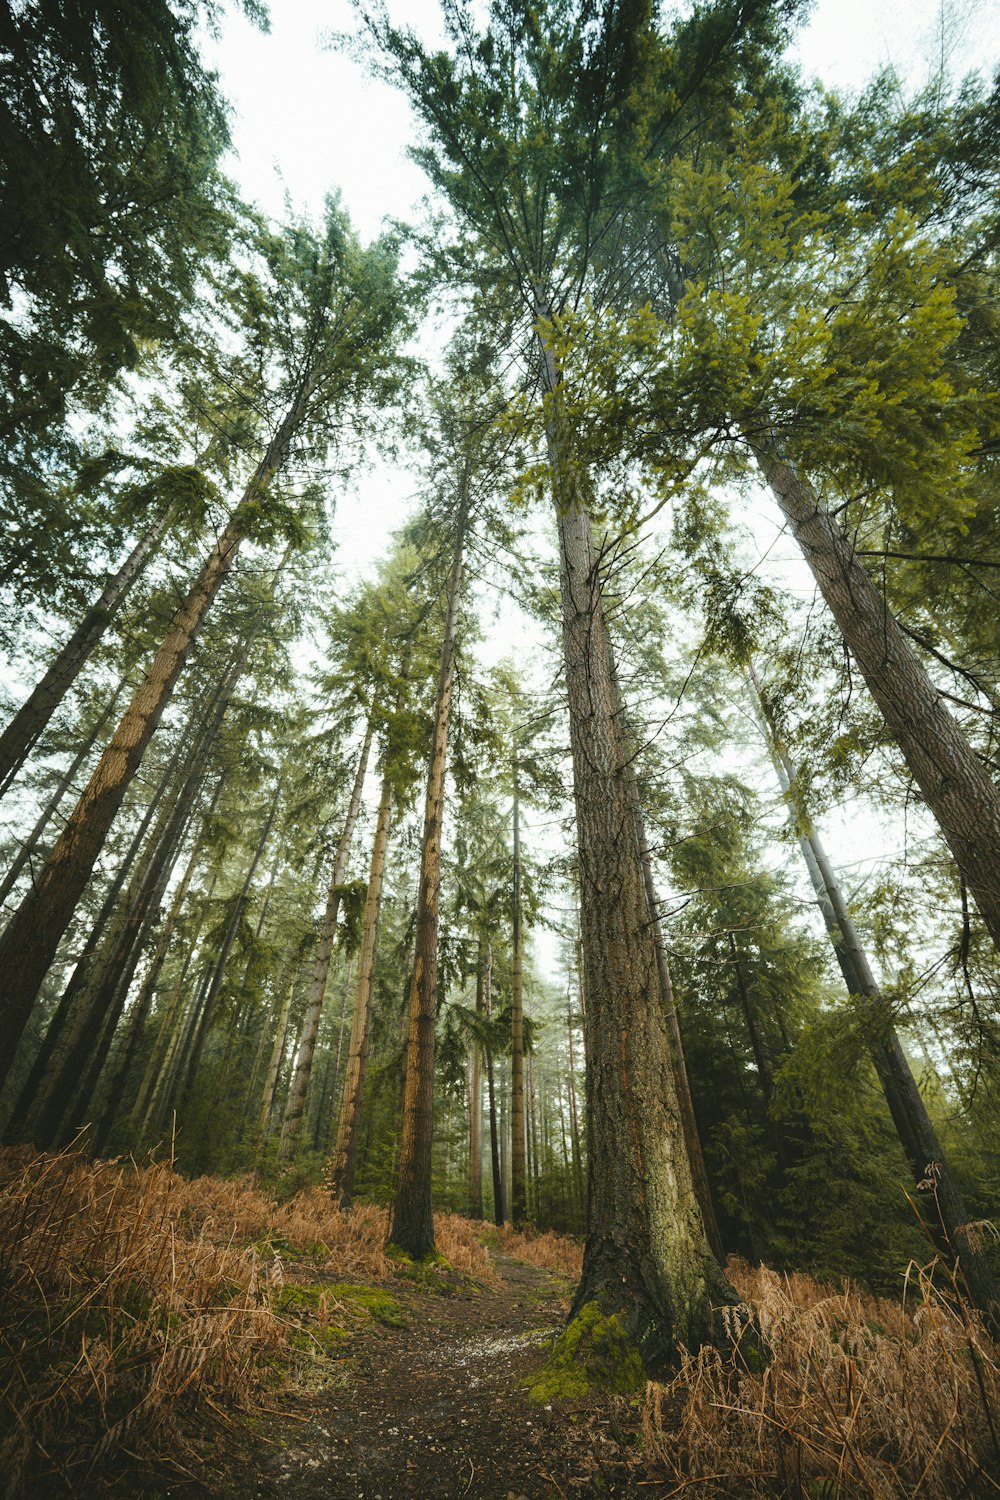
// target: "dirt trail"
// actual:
[[437, 1410]]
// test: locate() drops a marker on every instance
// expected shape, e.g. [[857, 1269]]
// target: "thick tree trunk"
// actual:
[[646, 1257], [913, 1125], [413, 1221], [343, 1161], [518, 1140], [956, 786], [696, 1157], [291, 1128], [22, 732], [29, 943]]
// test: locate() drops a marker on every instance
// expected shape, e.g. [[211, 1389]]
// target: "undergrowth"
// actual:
[[552, 1252], [129, 1294], [862, 1397]]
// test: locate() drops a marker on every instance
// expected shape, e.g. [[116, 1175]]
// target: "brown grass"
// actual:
[[127, 1294], [862, 1397], [553, 1252]]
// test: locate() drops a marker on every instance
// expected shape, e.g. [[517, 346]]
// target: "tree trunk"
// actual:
[[498, 1199], [291, 1128], [518, 1143], [646, 1256], [906, 1105], [48, 812], [476, 1101], [207, 1014], [106, 1003], [345, 1148], [24, 1117], [143, 1005], [696, 1157], [274, 1066], [23, 731], [956, 786], [29, 943], [413, 1221], [574, 1116]]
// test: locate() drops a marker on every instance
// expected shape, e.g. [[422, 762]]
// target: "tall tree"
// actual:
[[521, 120], [329, 349]]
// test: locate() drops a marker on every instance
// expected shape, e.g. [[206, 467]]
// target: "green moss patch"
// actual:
[[379, 1305], [594, 1353]]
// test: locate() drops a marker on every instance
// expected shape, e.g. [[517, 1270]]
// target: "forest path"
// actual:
[[437, 1409]]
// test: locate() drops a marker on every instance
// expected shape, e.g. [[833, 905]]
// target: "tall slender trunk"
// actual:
[[476, 1101], [78, 1085], [166, 1029], [207, 1015], [646, 1255], [29, 943], [21, 734], [518, 1143], [142, 1007], [274, 1065], [23, 1118], [498, 1200], [344, 993], [291, 1128], [61, 1059], [48, 812], [531, 1131], [913, 1125], [186, 1005], [345, 1148], [504, 1145], [574, 1116], [71, 1082], [413, 1221], [956, 786]]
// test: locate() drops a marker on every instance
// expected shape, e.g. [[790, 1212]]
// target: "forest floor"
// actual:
[[427, 1398]]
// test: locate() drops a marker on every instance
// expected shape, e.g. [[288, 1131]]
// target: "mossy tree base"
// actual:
[[593, 1353]]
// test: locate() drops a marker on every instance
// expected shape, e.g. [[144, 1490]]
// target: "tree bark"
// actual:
[[692, 1138], [343, 1160], [574, 1116], [476, 1101], [413, 1221], [29, 943], [909, 1114], [646, 1255], [24, 1117], [518, 1141], [48, 812], [498, 1199], [207, 1013], [21, 734], [956, 786], [274, 1066], [291, 1128]]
